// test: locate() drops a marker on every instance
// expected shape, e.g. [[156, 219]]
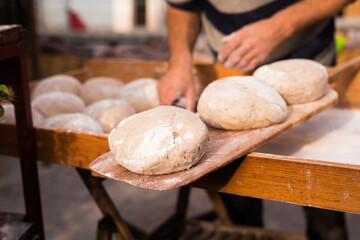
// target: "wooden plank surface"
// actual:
[[342, 79], [9, 34], [67, 148], [224, 147], [349, 87], [320, 184]]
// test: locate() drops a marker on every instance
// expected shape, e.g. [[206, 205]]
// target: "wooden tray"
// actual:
[[224, 147], [79, 149]]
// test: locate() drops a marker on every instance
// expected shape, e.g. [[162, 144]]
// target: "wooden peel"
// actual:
[[344, 71], [340, 78], [224, 147]]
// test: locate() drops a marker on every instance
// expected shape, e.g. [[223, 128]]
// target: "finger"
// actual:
[[246, 59], [252, 64], [227, 37], [237, 55], [160, 89], [231, 43], [190, 99], [167, 95]]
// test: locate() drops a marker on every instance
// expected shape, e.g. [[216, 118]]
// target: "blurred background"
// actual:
[[62, 32]]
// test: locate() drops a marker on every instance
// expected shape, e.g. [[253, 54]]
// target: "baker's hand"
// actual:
[[175, 83], [250, 45]]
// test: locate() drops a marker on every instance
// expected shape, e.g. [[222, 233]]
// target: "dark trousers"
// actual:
[[321, 224]]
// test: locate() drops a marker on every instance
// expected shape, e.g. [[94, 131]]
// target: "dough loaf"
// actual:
[[142, 94], [54, 103], [236, 103], [9, 115], [109, 112], [99, 88], [54, 83], [297, 80], [75, 122], [162, 140]]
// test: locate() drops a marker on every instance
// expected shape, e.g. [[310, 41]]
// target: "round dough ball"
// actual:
[[162, 140], [109, 112], [75, 122], [37, 117], [237, 103], [99, 88], [64, 83], [297, 80], [142, 94], [9, 115], [54, 103]]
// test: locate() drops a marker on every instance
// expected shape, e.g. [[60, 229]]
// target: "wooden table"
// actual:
[[257, 174], [13, 70]]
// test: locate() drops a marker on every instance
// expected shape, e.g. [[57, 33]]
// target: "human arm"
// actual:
[[253, 43], [183, 28]]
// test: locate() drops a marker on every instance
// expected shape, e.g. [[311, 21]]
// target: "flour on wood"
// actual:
[[333, 135]]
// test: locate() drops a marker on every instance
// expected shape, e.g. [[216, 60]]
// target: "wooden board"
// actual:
[[306, 182], [224, 147], [76, 149], [331, 136], [9, 34]]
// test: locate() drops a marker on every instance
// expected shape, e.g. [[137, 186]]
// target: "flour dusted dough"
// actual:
[[237, 103], [297, 80], [109, 112], [142, 94], [9, 115], [99, 88], [75, 122], [162, 140], [37, 117], [53, 103], [54, 83]]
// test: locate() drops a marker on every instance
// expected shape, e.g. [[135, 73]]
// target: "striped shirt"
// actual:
[[222, 17]]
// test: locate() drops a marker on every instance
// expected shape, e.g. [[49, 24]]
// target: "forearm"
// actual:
[[183, 29], [304, 14]]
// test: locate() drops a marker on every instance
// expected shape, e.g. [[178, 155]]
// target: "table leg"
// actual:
[[174, 226], [103, 231], [219, 207], [105, 203]]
